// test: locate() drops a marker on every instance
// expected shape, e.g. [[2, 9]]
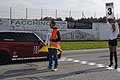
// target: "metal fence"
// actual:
[[34, 13]]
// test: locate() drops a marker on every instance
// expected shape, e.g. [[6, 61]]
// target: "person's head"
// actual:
[[52, 24], [111, 20]]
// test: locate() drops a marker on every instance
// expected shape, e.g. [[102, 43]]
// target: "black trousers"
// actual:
[[112, 42], [113, 54]]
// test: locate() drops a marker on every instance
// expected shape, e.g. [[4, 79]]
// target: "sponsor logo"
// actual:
[[29, 22]]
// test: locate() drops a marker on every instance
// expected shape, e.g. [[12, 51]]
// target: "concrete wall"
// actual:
[[99, 31]]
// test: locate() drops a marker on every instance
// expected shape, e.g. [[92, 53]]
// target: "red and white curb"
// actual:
[[88, 63]]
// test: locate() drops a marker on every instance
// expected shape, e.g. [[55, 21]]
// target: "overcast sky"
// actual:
[[88, 7]]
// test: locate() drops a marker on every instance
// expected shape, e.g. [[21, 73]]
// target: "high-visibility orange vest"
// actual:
[[54, 36]]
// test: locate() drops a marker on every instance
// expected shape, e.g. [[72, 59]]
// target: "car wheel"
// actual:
[[4, 58]]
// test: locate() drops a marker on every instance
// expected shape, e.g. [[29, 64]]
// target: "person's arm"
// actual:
[[108, 23], [113, 27], [46, 41], [59, 38], [117, 28], [47, 38]]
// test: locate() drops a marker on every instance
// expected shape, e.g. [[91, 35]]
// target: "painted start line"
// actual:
[[88, 63]]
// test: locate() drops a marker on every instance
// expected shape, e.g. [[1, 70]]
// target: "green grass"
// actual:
[[78, 45]]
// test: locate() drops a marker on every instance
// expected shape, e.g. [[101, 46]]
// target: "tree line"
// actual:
[[86, 20]]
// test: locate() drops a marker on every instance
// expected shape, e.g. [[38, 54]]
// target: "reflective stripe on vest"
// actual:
[[54, 36]]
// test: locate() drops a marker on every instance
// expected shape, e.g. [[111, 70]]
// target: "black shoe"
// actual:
[[110, 64], [116, 66]]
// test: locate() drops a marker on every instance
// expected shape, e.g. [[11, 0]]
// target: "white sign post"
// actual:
[[109, 10]]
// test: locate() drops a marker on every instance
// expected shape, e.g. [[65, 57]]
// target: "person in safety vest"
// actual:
[[53, 46]]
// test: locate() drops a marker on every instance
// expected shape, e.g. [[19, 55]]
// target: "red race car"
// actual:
[[22, 45]]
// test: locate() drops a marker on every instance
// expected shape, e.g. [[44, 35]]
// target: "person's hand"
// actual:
[[46, 44], [60, 50]]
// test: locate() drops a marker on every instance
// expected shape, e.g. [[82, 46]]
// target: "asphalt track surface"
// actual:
[[74, 65]]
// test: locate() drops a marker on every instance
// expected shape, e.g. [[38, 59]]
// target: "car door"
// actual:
[[23, 46], [31, 45]]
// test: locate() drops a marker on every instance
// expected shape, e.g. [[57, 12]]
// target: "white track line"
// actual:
[[92, 63], [62, 59], [100, 65], [76, 61], [69, 59], [83, 62], [118, 69], [110, 68]]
